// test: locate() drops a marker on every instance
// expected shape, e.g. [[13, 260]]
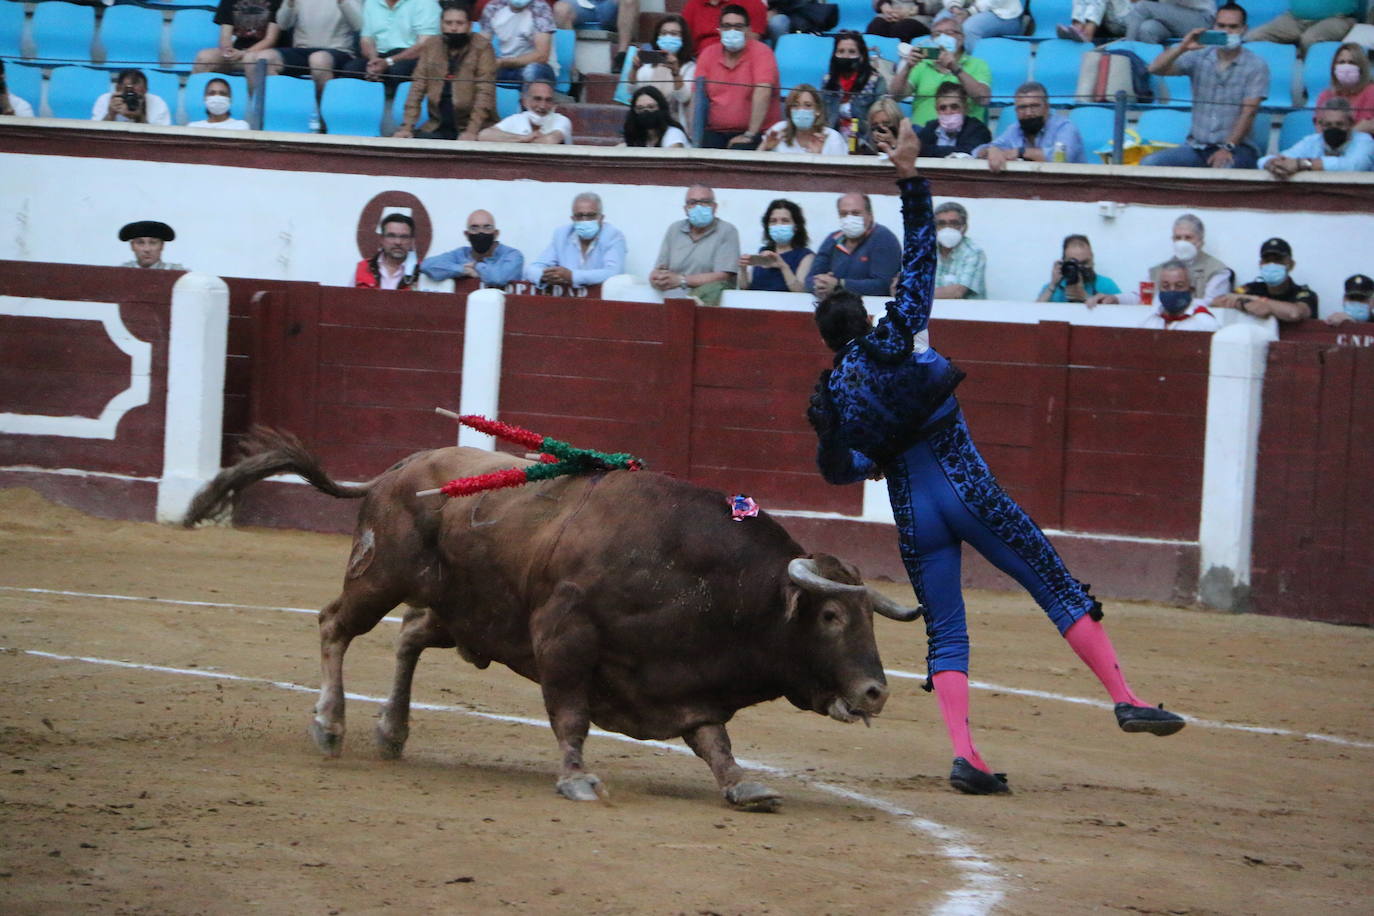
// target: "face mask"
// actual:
[[519, 4], [945, 42], [586, 229], [481, 242], [1273, 274], [649, 120], [732, 40], [670, 43], [456, 42], [781, 233], [1174, 301], [951, 123], [1233, 40], [1357, 310], [949, 237], [803, 118], [538, 120], [844, 64], [852, 226], [1031, 127], [1184, 250], [1346, 74], [701, 216], [217, 104], [1335, 137]]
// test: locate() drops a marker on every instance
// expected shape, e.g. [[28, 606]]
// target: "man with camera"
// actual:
[[1073, 278], [131, 101]]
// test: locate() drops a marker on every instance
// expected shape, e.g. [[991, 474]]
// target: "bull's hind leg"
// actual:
[[565, 650], [350, 615], [712, 744], [421, 630]]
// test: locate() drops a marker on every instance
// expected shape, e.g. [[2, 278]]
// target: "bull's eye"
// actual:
[[830, 616]]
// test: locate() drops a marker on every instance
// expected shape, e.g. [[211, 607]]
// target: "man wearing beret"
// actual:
[[146, 237]]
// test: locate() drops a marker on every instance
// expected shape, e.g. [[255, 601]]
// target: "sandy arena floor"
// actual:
[[153, 759]]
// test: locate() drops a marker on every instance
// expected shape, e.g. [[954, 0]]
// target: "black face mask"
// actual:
[[1032, 126], [481, 242], [844, 65], [649, 120], [457, 42], [1335, 137]]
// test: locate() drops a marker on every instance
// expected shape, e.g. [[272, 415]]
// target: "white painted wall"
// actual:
[[301, 226]]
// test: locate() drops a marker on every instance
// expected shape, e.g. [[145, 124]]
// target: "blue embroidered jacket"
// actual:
[[887, 385]]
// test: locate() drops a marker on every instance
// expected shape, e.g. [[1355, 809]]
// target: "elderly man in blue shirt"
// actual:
[[586, 252], [1336, 147], [1037, 136], [482, 258]]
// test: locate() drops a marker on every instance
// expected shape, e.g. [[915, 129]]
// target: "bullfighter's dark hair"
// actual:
[[841, 317]]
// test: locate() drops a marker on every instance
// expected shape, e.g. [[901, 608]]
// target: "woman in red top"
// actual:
[[1350, 80]]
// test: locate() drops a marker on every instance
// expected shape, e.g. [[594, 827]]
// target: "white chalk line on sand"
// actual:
[[890, 672], [982, 882]]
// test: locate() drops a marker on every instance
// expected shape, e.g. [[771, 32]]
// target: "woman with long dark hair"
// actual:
[[784, 260], [648, 122], [851, 87], [675, 74]]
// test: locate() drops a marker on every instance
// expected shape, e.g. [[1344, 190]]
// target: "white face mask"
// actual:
[[538, 120], [1184, 250], [217, 104], [949, 237], [852, 226]]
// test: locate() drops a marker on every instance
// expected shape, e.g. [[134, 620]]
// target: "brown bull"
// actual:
[[633, 599]]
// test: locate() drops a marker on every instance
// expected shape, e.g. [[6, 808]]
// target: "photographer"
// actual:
[[1073, 278], [131, 101]]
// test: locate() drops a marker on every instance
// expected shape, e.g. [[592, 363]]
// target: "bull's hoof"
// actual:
[[390, 744], [582, 787], [753, 796], [327, 738]]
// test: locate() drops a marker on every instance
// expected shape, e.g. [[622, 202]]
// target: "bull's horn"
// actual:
[[891, 609], [803, 572]]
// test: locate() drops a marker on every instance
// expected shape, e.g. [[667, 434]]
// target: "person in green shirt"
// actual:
[[921, 77]]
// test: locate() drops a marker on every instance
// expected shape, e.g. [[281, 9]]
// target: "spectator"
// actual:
[[1228, 85], [246, 27], [897, 19], [923, 76], [1336, 147], [784, 261], [861, 257], [984, 18], [217, 102], [1359, 292], [581, 254], [1038, 135], [11, 104], [1274, 292], [883, 120], [1309, 21], [393, 35], [147, 238], [1095, 19], [324, 35], [455, 78], [810, 16], [952, 132], [482, 258], [1175, 308], [648, 123], [804, 130], [1210, 278], [675, 77], [131, 101], [700, 254], [523, 31], [703, 20], [1072, 278], [539, 122], [960, 265], [393, 266], [618, 16], [1350, 80], [851, 87], [741, 84], [1156, 21]]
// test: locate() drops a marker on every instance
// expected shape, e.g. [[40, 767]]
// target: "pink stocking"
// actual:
[[951, 689], [1089, 639]]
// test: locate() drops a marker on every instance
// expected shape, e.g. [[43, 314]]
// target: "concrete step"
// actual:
[[591, 120], [599, 88]]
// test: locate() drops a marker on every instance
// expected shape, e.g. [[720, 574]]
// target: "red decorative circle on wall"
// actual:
[[369, 230]]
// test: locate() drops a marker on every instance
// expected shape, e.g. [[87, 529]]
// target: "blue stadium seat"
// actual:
[[1010, 63], [855, 15], [193, 97], [507, 101], [72, 91], [1005, 119], [166, 86], [1179, 89], [1164, 125], [351, 107], [1296, 125], [25, 82], [63, 32], [802, 59], [1047, 15], [1281, 60], [1316, 68], [289, 104], [1260, 130], [11, 29], [191, 31], [132, 37], [1056, 65], [881, 46], [1095, 126], [1259, 12], [564, 51]]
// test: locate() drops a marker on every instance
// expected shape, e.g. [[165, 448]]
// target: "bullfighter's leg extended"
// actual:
[[565, 649], [420, 630], [712, 744]]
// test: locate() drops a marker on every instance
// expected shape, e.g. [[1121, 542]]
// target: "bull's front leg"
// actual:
[[420, 630], [712, 744], [565, 650]]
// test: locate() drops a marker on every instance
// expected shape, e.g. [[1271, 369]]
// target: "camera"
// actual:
[[1071, 271], [132, 100]]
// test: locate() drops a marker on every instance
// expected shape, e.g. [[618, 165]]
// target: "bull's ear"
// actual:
[[792, 597]]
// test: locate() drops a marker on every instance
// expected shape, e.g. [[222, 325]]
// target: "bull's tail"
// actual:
[[267, 452]]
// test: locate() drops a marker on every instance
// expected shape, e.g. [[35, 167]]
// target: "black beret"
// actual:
[[147, 228]]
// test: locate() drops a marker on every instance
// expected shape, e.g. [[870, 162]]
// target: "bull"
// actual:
[[632, 598]]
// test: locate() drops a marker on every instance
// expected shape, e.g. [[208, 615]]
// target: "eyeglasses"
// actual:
[[950, 106], [485, 227], [692, 202], [586, 216], [651, 108], [948, 224]]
